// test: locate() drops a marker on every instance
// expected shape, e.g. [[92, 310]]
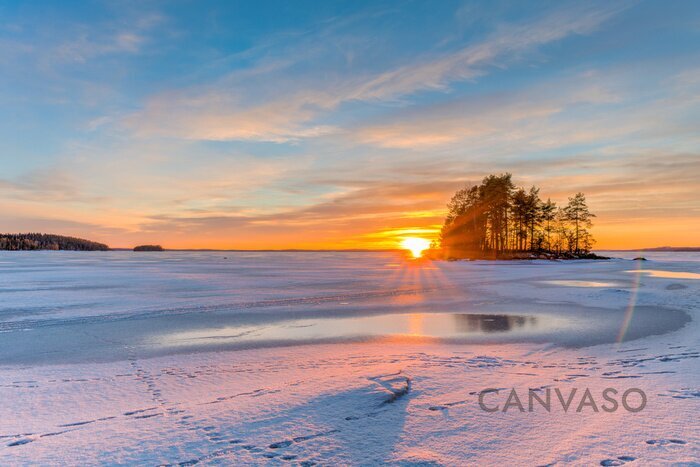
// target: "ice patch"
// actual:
[[666, 274], [577, 283]]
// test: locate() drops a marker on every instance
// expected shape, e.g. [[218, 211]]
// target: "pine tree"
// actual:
[[494, 217], [548, 212], [577, 213]]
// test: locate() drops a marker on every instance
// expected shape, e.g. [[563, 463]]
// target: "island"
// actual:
[[40, 241], [497, 220], [148, 248]]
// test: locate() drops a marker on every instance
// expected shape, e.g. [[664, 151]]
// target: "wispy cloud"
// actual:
[[228, 109], [591, 107], [43, 185], [85, 47], [376, 214], [221, 116], [506, 44]]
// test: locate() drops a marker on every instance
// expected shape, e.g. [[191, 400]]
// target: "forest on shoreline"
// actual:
[[497, 220], [39, 241]]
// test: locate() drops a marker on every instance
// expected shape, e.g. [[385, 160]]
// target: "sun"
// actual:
[[415, 245]]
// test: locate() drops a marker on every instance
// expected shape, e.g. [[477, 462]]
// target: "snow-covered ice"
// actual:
[[343, 359]]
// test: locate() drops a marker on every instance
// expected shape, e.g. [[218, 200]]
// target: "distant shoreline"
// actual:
[[369, 250], [49, 242], [283, 250], [353, 250], [662, 249]]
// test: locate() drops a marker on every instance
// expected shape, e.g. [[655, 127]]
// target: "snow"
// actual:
[[253, 358]]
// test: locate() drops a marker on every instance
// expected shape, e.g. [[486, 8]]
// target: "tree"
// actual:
[[577, 212], [495, 193], [532, 213], [519, 208], [38, 241], [548, 212], [495, 217], [464, 231]]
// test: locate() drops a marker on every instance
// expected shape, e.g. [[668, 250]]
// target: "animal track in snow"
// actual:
[[299, 439], [683, 393], [621, 460], [665, 442]]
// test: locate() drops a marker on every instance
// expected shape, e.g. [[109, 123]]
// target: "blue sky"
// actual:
[[342, 124]]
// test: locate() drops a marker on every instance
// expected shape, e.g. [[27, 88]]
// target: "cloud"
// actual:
[[346, 218], [504, 45], [293, 105], [356, 211], [53, 48], [91, 231], [86, 47], [42, 184], [595, 107], [216, 116], [126, 32], [376, 213]]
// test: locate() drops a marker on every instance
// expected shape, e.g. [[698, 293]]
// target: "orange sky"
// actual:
[[347, 221], [343, 129]]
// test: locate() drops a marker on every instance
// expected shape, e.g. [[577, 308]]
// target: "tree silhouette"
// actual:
[[38, 241], [496, 219], [548, 212], [577, 212]]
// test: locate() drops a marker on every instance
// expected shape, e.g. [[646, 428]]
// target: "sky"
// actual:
[[323, 124]]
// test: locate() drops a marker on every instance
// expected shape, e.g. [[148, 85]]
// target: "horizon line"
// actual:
[[661, 248]]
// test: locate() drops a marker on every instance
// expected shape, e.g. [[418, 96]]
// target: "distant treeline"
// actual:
[[498, 219], [39, 241], [148, 248]]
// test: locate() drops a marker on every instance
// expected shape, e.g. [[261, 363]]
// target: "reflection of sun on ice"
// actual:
[[415, 245]]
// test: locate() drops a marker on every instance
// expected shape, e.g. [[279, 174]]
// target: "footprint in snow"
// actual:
[[299, 439], [621, 460], [665, 442], [20, 442], [683, 393], [446, 405]]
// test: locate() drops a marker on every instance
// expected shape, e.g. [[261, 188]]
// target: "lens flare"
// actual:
[[415, 245], [629, 312]]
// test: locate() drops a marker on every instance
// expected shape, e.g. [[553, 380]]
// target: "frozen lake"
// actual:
[[105, 306], [254, 358]]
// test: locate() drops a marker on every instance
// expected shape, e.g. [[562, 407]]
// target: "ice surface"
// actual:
[[175, 357], [667, 274]]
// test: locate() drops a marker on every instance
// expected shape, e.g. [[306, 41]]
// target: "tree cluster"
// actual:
[[497, 219], [148, 248], [39, 241]]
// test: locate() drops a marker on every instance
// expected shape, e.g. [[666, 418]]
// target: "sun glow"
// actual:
[[415, 245]]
